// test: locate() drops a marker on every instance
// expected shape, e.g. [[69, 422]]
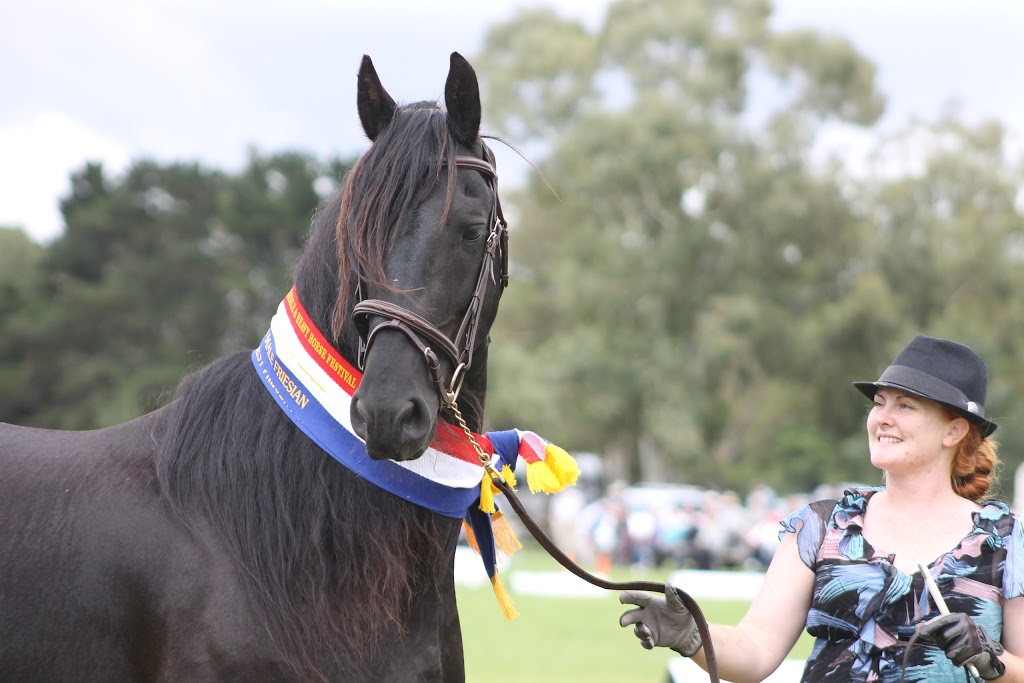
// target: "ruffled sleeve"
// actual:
[[1013, 571], [808, 523]]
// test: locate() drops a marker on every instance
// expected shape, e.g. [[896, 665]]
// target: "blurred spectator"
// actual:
[[564, 520], [641, 526], [763, 538], [676, 529], [610, 542], [721, 539], [761, 499], [649, 525]]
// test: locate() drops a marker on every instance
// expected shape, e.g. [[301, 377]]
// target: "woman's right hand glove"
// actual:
[[965, 643], [661, 621]]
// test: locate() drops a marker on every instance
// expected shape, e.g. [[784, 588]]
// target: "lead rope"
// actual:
[[906, 656], [564, 560]]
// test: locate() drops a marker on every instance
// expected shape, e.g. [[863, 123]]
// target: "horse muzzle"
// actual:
[[396, 416]]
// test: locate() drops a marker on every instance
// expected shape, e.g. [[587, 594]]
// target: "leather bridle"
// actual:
[[425, 335]]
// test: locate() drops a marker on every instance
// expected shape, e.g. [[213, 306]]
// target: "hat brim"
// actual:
[[985, 426]]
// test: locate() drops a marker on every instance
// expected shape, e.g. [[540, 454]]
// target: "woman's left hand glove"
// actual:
[[965, 643], [661, 621]]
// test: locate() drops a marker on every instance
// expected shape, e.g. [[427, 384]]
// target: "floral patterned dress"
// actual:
[[864, 609]]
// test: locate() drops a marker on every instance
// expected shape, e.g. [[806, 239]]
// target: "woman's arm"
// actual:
[[1013, 640], [754, 648]]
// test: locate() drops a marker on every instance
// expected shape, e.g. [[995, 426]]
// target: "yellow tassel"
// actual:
[[471, 537], [487, 494], [504, 538], [540, 478], [488, 488], [507, 608], [509, 476], [562, 465]]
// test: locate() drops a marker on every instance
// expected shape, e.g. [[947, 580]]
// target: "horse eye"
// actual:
[[473, 233]]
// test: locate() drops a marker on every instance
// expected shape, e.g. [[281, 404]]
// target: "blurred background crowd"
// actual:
[[664, 525]]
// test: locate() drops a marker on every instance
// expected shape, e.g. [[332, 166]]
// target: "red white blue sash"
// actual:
[[313, 385]]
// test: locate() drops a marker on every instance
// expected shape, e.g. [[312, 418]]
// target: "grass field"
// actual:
[[568, 640]]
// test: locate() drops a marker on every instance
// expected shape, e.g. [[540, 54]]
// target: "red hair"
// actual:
[[974, 465]]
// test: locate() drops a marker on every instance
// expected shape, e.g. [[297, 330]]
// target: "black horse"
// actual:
[[212, 539]]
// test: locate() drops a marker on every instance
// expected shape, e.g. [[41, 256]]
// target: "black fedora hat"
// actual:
[[943, 371]]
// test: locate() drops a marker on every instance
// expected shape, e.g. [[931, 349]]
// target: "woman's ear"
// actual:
[[956, 431]]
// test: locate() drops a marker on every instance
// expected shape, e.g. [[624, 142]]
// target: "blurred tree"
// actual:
[[19, 267], [948, 234], [680, 253], [156, 273], [265, 216], [705, 287], [20, 278]]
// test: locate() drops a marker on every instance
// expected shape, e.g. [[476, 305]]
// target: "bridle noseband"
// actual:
[[424, 334]]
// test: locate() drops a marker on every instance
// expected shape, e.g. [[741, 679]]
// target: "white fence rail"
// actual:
[[684, 670]]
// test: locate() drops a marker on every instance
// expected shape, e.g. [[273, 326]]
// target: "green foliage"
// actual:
[[832, 77], [697, 53], [703, 289], [19, 261], [537, 75], [156, 273]]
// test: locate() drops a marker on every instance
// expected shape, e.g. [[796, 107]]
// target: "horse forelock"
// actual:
[[382, 191]]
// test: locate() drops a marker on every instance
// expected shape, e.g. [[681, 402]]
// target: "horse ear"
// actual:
[[462, 98], [376, 108]]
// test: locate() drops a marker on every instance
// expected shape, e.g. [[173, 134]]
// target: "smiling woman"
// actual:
[[925, 403], [848, 569]]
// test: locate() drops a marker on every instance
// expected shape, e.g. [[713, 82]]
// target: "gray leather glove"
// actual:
[[965, 643], [661, 621]]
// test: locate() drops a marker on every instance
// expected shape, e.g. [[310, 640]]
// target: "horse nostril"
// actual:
[[414, 420], [358, 418]]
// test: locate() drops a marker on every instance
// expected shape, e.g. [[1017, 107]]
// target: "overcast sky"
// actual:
[[118, 80]]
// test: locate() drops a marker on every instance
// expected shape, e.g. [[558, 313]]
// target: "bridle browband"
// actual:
[[421, 332]]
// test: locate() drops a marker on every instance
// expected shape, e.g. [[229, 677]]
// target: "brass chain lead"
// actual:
[[485, 459]]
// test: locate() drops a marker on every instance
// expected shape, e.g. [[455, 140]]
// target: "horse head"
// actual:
[[421, 236]]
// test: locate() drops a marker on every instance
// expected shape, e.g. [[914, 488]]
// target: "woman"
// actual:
[[848, 569]]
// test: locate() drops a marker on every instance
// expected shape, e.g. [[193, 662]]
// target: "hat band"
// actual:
[[930, 386]]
